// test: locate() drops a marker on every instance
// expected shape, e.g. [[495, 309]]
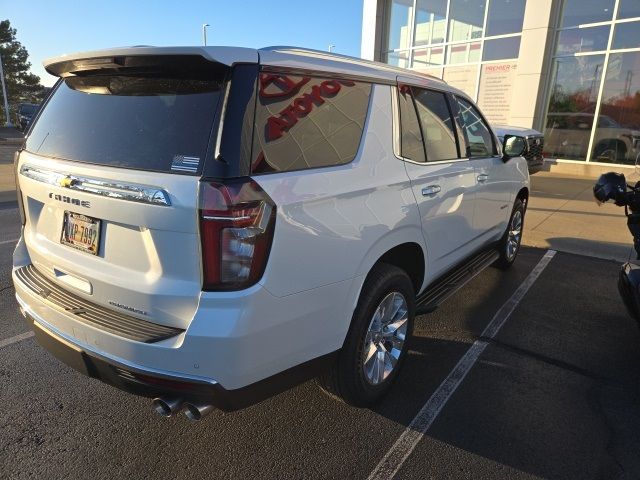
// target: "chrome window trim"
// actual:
[[131, 192]]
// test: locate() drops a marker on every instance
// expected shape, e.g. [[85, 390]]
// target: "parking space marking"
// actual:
[[9, 241], [16, 339], [409, 439]]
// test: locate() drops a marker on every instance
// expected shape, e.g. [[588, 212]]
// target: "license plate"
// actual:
[[81, 232]]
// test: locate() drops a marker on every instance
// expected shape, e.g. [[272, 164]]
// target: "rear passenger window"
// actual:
[[410, 136], [478, 136], [307, 122], [437, 125]]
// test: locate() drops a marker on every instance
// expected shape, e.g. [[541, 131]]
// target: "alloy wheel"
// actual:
[[515, 235], [385, 338]]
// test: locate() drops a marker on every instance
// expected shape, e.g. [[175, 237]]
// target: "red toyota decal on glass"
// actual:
[[278, 124], [277, 86]]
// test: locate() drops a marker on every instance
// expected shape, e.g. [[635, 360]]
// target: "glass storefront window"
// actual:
[[501, 48], [627, 35], [428, 57], [580, 40], [572, 105], [400, 15], [463, 53], [430, 22], [579, 12], [466, 18], [505, 16], [617, 133], [398, 59], [629, 9]]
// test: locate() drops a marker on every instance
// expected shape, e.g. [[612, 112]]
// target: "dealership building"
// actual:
[[568, 68]]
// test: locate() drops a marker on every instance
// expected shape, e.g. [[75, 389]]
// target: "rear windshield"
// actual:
[[146, 123]]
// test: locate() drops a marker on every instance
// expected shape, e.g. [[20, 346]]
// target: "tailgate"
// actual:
[[109, 180], [148, 252]]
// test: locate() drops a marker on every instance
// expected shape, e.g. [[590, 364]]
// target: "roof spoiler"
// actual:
[[149, 59]]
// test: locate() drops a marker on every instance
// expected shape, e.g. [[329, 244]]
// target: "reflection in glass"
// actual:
[[579, 12], [398, 59], [398, 37], [627, 35], [464, 53], [629, 9], [572, 105], [430, 22], [505, 16], [428, 57], [501, 48], [580, 40], [465, 19], [437, 125], [617, 133], [480, 142]]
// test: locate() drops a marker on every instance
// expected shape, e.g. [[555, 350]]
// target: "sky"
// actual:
[[51, 28]]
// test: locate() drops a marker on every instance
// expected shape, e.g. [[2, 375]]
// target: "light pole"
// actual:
[[331, 47], [204, 33], [4, 96]]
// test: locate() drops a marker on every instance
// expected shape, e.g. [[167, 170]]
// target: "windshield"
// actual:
[[147, 123]]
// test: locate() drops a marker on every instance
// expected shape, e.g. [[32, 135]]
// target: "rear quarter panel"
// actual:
[[334, 223]]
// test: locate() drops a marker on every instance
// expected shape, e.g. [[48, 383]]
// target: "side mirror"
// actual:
[[512, 146]]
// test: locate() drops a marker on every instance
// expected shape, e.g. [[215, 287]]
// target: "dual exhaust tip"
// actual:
[[169, 406]]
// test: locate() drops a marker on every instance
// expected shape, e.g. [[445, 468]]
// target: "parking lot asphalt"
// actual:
[[556, 394]]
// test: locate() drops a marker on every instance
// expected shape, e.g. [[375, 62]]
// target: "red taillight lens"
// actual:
[[236, 228]]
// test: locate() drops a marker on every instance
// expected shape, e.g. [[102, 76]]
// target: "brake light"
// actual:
[[237, 219]]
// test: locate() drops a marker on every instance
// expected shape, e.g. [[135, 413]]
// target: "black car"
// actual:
[[26, 113]]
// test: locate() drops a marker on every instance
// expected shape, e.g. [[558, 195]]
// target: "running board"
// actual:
[[451, 282]]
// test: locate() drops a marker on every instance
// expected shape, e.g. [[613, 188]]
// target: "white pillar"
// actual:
[[372, 25], [529, 89]]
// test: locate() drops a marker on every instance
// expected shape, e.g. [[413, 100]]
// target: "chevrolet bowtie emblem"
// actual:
[[66, 181]]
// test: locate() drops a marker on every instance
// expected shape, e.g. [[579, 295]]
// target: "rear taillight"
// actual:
[[18, 191], [236, 228]]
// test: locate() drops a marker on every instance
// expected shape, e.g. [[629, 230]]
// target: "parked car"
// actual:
[[535, 144], [26, 112], [212, 225], [568, 136]]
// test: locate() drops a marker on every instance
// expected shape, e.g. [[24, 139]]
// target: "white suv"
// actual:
[[212, 225]]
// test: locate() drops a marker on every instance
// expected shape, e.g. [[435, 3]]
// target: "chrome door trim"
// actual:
[[131, 192]]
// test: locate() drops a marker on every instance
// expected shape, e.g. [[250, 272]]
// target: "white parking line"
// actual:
[[16, 339], [404, 445], [9, 241]]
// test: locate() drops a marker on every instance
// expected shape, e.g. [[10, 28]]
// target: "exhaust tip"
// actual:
[[166, 407], [196, 412]]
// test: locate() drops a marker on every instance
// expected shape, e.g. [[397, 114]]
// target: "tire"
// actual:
[[509, 245], [354, 380], [611, 152]]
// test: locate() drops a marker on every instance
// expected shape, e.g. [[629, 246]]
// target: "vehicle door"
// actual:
[[493, 190], [442, 182]]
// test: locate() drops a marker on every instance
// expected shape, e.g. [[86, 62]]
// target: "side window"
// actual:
[[480, 142], [411, 146], [437, 125], [306, 122]]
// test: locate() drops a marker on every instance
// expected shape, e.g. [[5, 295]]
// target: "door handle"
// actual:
[[483, 177], [431, 190]]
